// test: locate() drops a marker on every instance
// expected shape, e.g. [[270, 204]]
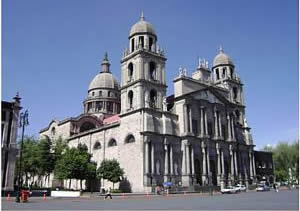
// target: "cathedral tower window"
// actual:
[[99, 106], [132, 45], [217, 74], [150, 43], [93, 93], [231, 73], [129, 139], [100, 93], [97, 145], [112, 143], [53, 131], [109, 93], [141, 41], [130, 99], [224, 72], [130, 71], [152, 71], [109, 106], [153, 98], [234, 93], [89, 108]]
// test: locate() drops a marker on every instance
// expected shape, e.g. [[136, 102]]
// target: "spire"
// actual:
[[221, 50], [105, 64], [142, 18], [17, 98]]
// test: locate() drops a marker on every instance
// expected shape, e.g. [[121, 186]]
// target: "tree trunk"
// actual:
[[113, 185], [46, 179], [81, 184], [70, 184]]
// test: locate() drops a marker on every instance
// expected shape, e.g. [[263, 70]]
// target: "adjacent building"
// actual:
[[9, 127], [196, 137]]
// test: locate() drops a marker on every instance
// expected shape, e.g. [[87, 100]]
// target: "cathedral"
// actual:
[[198, 136]]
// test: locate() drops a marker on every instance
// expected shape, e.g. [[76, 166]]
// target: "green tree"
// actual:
[[285, 157], [111, 171], [46, 158]]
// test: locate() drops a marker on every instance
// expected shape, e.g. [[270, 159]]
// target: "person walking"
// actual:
[[108, 193]]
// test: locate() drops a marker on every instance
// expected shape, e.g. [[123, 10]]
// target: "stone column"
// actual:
[[204, 170], [205, 121], [222, 160], [147, 157], [192, 158], [228, 127], [207, 158], [254, 168], [216, 124], [201, 122], [188, 159], [166, 160], [184, 159], [220, 125], [185, 119], [171, 160], [232, 163], [235, 163], [250, 165], [191, 119], [152, 159], [232, 125], [219, 164]]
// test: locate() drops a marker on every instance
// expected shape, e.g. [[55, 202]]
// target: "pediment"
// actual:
[[208, 96]]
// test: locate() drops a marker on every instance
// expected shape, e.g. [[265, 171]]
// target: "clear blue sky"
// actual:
[[51, 50]]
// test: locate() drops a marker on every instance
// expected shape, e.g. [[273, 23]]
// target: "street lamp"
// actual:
[[23, 122]]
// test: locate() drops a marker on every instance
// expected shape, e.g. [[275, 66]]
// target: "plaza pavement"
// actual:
[[283, 200]]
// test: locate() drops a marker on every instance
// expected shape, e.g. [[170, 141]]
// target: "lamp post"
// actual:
[[23, 122]]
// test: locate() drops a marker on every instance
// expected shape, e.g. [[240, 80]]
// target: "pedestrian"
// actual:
[[108, 193]]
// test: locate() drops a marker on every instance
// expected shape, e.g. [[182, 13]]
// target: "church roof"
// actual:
[[142, 26], [222, 59]]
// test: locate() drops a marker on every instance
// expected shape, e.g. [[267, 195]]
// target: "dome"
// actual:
[[104, 80], [142, 26], [222, 59]]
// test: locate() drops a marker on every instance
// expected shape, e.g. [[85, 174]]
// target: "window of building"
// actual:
[[93, 93], [132, 45], [224, 72], [129, 139], [130, 71], [152, 71], [112, 143], [130, 99], [110, 107], [234, 93], [150, 43], [231, 72], [97, 145], [153, 98], [108, 93], [217, 74], [195, 126], [141, 41], [209, 127], [89, 107], [99, 106], [53, 131], [100, 93], [86, 126]]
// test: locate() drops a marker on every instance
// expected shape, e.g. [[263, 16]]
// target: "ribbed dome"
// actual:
[[104, 80], [222, 59], [142, 26]]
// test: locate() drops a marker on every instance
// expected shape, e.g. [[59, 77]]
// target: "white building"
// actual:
[[195, 137]]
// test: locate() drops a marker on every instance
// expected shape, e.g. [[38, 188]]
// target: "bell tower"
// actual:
[[143, 80]]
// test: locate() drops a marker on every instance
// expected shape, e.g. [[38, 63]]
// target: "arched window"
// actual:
[[152, 71], [86, 126], [224, 72], [109, 94], [130, 71], [99, 106], [153, 98], [110, 107], [112, 143], [132, 45], [130, 139], [234, 93], [231, 72], [53, 131], [130, 99], [150, 43], [93, 93], [97, 145], [217, 74], [141, 41]]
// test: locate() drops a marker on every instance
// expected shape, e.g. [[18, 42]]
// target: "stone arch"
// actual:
[[86, 126], [97, 145], [112, 142], [129, 139]]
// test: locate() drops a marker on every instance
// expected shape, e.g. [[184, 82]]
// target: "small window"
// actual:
[[153, 98], [109, 106], [217, 74], [129, 139], [97, 145], [99, 106], [130, 99], [195, 126], [152, 71], [53, 131], [224, 72], [234, 93], [109, 94], [150, 43], [93, 93], [112, 143], [130, 71], [231, 72], [100, 93], [89, 107], [141, 41], [132, 45]]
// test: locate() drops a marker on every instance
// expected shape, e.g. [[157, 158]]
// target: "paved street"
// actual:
[[284, 200]]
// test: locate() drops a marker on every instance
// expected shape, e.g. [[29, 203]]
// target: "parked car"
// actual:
[[229, 189], [262, 187], [240, 187]]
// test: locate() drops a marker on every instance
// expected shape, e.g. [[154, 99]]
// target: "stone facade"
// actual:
[[199, 136], [9, 150]]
